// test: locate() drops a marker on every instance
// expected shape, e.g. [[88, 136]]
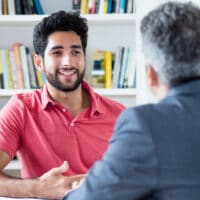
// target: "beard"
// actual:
[[54, 81]]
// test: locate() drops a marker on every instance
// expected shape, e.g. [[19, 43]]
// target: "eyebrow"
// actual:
[[62, 47]]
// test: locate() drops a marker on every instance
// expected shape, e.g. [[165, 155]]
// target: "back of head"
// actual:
[[171, 42], [59, 21]]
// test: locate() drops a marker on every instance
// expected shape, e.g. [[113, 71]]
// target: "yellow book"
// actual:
[[9, 70], [105, 7], [84, 7], [108, 69], [18, 63], [39, 78]]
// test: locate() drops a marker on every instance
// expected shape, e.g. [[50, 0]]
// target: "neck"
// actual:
[[74, 101]]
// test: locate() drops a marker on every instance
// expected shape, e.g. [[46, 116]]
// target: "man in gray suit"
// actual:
[[154, 151]]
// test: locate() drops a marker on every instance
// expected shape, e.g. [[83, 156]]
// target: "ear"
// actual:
[[38, 61], [152, 77]]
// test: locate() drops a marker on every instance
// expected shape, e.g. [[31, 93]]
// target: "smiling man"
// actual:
[[63, 121]]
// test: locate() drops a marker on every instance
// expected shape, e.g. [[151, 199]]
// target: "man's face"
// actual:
[[64, 61]]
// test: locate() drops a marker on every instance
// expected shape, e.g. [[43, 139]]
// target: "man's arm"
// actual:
[[51, 185]]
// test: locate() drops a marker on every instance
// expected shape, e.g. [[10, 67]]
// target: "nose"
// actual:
[[67, 59]]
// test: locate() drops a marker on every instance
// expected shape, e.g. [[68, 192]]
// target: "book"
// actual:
[[13, 68], [98, 72], [26, 7], [84, 7], [122, 6], [1, 1], [38, 7], [105, 7], [76, 5], [4, 67], [110, 6], [32, 6], [117, 66], [31, 69], [108, 69], [4, 7], [131, 68], [24, 61], [11, 7], [123, 67], [18, 64], [39, 78], [92, 6], [101, 7], [9, 70], [130, 5], [18, 7], [1, 72]]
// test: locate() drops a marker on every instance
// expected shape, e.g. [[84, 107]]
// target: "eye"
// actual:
[[75, 52], [57, 53]]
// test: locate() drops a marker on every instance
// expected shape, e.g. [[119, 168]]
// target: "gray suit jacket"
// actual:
[[154, 152]]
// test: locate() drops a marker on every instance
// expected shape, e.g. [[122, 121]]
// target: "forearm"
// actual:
[[16, 187]]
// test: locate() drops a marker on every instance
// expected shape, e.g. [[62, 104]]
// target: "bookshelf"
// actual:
[[106, 32]]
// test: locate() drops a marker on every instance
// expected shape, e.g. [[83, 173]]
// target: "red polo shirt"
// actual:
[[44, 134]]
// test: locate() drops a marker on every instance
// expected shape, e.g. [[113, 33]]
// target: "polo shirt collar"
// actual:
[[96, 106], [46, 99]]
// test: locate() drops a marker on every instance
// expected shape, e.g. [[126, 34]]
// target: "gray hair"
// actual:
[[171, 42]]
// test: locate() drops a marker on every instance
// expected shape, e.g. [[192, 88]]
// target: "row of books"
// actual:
[[103, 6], [114, 70], [17, 70], [20, 7]]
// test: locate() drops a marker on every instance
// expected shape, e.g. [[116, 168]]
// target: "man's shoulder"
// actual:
[[26, 98]]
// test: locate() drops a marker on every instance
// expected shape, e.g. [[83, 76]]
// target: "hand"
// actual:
[[77, 184], [53, 184]]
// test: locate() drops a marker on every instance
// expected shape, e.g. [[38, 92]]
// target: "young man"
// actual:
[[154, 151], [64, 121]]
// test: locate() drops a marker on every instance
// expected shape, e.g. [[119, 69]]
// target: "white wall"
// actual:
[[142, 8]]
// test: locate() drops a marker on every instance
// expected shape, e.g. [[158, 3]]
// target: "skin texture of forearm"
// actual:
[[15, 187], [51, 185]]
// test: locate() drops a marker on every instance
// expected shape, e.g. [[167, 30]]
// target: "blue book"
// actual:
[[38, 7], [122, 6]]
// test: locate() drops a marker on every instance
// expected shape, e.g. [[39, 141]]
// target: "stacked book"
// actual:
[[103, 6], [17, 70], [114, 70], [20, 7]]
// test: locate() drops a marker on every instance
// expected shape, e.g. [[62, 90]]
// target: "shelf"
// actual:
[[116, 91], [102, 91], [103, 19]]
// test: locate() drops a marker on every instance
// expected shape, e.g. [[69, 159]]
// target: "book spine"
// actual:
[[13, 69], [9, 70], [25, 67], [117, 66], [31, 69], [108, 69], [18, 7], [5, 7], [1, 72], [11, 7], [18, 62], [4, 65], [38, 7], [122, 6]]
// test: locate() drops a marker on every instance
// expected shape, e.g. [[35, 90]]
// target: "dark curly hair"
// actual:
[[59, 21]]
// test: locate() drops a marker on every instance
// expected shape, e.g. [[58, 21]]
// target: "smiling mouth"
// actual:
[[67, 72]]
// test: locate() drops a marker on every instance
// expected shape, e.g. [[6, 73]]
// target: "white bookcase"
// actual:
[[106, 32]]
